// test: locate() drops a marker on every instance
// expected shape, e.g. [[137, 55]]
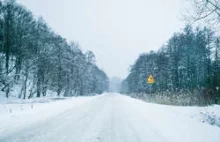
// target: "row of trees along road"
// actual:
[[188, 64], [36, 59], [187, 68]]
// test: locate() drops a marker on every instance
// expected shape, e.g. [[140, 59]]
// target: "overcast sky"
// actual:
[[117, 31]]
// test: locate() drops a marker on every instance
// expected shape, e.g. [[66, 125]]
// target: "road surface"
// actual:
[[109, 118]]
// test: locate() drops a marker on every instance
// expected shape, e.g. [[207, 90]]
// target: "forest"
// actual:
[[186, 70], [34, 59]]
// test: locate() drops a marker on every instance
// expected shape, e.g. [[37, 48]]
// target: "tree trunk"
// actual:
[[25, 82], [39, 83]]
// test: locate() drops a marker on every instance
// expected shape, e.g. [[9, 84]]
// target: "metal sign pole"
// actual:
[[150, 81]]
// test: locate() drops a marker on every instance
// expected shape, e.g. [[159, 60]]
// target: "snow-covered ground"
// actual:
[[107, 118], [18, 114]]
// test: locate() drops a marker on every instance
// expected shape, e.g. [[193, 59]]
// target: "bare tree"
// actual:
[[198, 10]]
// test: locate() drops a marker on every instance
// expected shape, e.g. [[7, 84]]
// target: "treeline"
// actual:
[[35, 58], [187, 67]]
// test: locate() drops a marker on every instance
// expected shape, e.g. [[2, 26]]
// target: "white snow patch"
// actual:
[[17, 114], [178, 124]]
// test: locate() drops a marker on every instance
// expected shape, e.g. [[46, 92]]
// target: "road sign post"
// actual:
[[150, 81]]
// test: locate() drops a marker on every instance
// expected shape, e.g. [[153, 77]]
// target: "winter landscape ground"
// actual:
[[62, 62], [110, 117]]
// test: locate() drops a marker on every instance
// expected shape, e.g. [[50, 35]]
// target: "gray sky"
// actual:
[[117, 31]]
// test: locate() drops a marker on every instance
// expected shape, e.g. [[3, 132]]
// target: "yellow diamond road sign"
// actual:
[[150, 79]]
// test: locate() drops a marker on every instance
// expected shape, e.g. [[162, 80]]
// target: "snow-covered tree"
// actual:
[[36, 59]]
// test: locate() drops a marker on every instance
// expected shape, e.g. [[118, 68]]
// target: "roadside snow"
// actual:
[[207, 114], [16, 114], [178, 124]]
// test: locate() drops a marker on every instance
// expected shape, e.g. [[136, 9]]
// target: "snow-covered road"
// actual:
[[116, 118]]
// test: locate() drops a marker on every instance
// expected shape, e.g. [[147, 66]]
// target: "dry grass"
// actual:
[[194, 98]]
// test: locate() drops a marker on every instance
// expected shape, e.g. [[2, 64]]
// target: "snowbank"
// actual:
[[19, 114], [180, 124]]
